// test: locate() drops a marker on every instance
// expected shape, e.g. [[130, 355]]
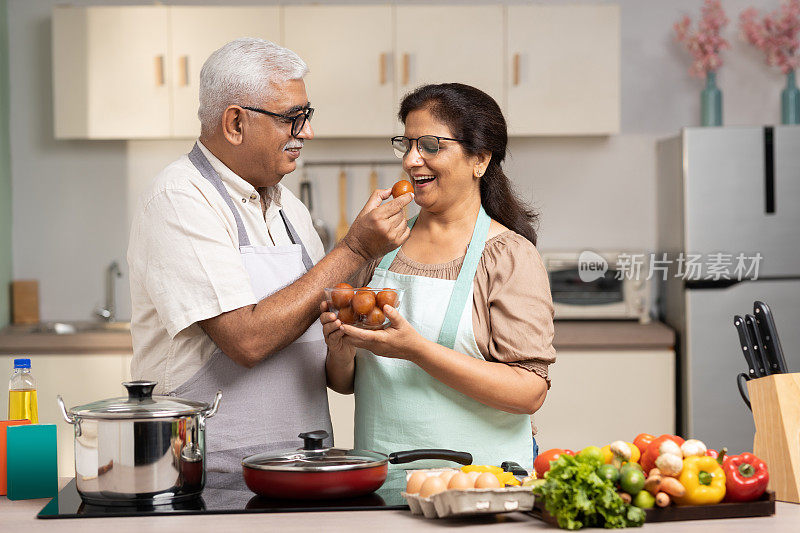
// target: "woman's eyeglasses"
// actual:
[[298, 120], [426, 144]]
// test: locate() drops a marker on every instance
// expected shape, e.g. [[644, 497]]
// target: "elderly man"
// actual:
[[226, 270]]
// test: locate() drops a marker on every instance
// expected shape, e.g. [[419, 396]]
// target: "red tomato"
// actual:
[[648, 460], [642, 440], [402, 187], [542, 462]]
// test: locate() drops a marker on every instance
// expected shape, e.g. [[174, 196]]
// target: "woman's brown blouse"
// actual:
[[512, 310]]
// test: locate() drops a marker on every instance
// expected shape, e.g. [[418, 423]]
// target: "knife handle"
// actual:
[[757, 351], [769, 333], [745, 343]]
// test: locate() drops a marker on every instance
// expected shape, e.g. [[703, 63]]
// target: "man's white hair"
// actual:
[[242, 72]]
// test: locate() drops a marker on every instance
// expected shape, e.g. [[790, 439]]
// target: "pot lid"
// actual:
[[315, 457], [140, 403]]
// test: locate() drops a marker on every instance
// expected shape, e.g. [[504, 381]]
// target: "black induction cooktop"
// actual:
[[227, 493]]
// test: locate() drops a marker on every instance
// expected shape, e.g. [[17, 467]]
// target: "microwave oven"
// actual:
[[591, 285]]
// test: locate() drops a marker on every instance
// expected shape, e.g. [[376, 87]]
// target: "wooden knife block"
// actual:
[[776, 411]]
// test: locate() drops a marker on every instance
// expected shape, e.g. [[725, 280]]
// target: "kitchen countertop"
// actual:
[[569, 335], [17, 339], [21, 516], [612, 335]]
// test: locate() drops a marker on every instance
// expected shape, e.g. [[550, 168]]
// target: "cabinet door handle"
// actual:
[[160, 71], [405, 68], [382, 69], [183, 65], [515, 67]]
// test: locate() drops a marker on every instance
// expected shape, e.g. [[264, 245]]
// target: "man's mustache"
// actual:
[[297, 143]]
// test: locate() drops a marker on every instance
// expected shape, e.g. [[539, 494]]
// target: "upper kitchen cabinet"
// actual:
[[437, 44], [349, 53], [110, 75], [195, 32], [564, 70], [133, 72]]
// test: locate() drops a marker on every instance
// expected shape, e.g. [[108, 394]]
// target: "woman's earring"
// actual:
[[478, 173]]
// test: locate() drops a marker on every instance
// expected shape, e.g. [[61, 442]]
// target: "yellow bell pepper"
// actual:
[[482, 468], [704, 481], [635, 453], [607, 455], [507, 478]]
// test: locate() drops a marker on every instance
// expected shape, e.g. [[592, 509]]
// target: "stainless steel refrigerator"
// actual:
[[727, 191]]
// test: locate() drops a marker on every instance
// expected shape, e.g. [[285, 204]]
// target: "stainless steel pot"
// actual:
[[142, 449]]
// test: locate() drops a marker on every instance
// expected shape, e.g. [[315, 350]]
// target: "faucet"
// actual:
[[108, 312]]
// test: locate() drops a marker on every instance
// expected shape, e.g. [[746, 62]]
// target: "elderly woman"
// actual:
[[464, 362]]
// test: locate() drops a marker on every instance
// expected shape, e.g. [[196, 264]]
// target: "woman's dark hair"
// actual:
[[474, 116]]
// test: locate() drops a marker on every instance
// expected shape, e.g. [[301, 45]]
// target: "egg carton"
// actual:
[[471, 502]]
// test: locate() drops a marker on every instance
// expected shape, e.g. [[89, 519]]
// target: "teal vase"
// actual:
[[711, 102], [790, 101]]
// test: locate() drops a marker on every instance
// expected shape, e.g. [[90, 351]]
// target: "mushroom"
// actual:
[[621, 451], [693, 447], [670, 447], [669, 465]]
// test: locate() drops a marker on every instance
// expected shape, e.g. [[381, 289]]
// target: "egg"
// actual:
[[487, 481], [432, 485], [473, 476], [461, 481], [415, 482], [446, 475]]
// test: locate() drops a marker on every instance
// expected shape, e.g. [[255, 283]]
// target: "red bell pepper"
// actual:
[[648, 460], [542, 462], [746, 477]]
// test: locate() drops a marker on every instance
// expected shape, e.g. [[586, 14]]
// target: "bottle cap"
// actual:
[[22, 363]]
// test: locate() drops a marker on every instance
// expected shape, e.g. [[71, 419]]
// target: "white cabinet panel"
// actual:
[[195, 33], [598, 397], [110, 76], [439, 44], [79, 379], [349, 52], [564, 70]]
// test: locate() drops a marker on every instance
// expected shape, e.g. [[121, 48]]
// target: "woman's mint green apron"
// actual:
[[399, 406]]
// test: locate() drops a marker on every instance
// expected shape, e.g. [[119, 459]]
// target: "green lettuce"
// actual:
[[578, 497]]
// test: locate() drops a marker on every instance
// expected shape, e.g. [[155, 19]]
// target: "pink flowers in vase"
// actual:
[[776, 34], [705, 43]]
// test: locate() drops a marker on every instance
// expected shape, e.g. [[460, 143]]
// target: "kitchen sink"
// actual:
[[73, 327]]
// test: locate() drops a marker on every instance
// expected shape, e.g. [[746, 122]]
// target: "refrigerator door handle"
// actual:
[[769, 170]]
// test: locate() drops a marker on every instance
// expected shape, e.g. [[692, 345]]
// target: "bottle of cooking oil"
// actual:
[[22, 403]]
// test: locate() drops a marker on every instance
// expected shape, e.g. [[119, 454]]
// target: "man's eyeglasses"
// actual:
[[298, 120], [426, 144]]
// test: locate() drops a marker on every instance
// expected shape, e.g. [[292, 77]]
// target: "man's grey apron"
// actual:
[[263, 408]]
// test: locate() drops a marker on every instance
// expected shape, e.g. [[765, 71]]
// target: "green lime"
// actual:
[[631, 481], [630, 466], [591, 454], [608, 472], [644, 500]]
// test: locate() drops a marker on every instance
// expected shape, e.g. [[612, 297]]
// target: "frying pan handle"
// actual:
[[463, 458]]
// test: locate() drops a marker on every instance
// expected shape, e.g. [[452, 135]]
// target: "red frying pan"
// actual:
[[316, 472]]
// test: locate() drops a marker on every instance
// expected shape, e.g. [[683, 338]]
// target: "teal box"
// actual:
[[32, 457]]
